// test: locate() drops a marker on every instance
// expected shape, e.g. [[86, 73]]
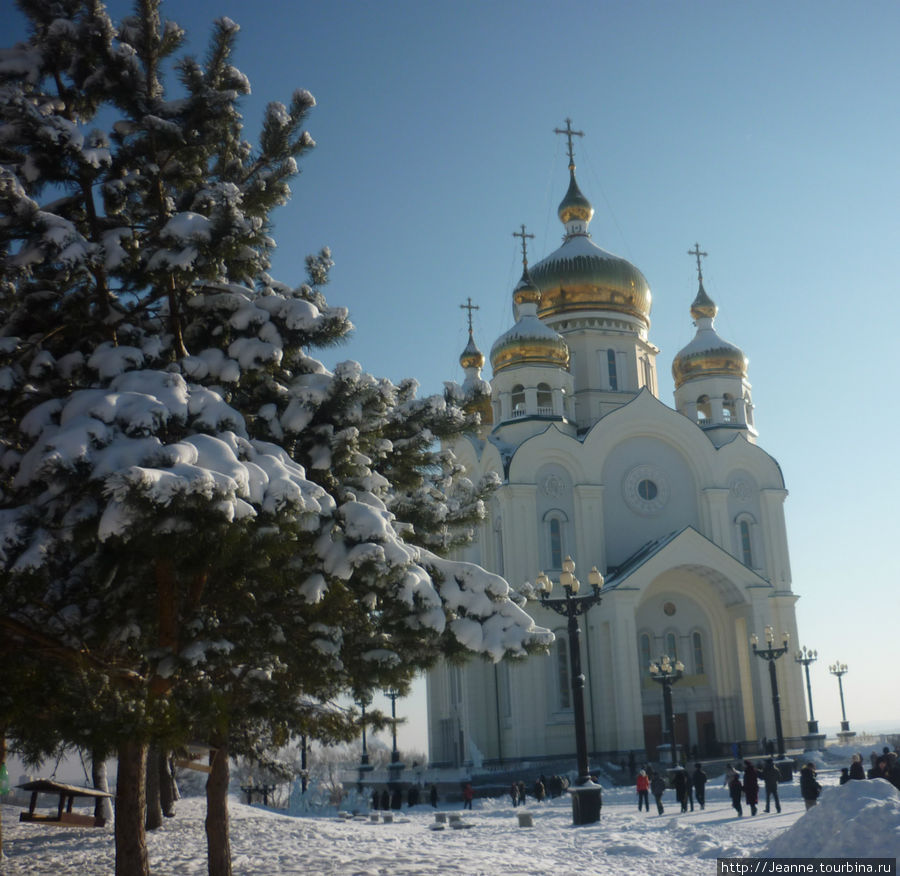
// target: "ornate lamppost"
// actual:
[[840, 670], [667, 673], [804, 658], [304, 772], [586, 797], [770, 653]]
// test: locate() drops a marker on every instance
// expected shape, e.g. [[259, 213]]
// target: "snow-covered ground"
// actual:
[[856, 819]]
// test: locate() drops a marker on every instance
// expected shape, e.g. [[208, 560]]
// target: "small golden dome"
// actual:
[[719, 360], [529, 342], [703, 307], [526, 292], [575, 205], [471, 357]]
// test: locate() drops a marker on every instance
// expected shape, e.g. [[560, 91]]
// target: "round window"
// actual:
[[647, 490]]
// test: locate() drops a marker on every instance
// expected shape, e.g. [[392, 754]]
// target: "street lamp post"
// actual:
[[667, 673], [586, 802], [840, 670], [770, 653], [392, 695], [364, 765], [804, 658]]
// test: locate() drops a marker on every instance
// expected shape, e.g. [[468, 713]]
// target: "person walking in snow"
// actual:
[[809, 787], [680, 781], [770, 780], [468, 795], [698, 780], [514, 794], [735, 789], [433, 795], [643, 790], [658, 788], [751, 786], [856, 767]]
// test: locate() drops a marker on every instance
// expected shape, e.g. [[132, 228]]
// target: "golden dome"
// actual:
[[721, 360], [471, 357], [575, 205], [581, 276], [707, 355], [526, 292], [529, 342]]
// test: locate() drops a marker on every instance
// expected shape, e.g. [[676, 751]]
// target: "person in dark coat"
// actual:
[[681, 782], [751, 786], [514, 794], [734, 789], [856, 767], [809, 787], [433, 796], [539, 790], [770, 780], [698, 780], [844, 777], [658, 788]]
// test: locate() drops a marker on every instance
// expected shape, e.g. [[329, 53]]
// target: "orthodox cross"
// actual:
[[470, 307], [523, 235], [569, 135], [696, 252]]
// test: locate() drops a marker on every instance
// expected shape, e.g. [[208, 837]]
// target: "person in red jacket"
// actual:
[[643, 790], [468, 794]]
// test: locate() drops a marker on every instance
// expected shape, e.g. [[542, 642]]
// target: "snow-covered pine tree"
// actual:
[[196, 528]]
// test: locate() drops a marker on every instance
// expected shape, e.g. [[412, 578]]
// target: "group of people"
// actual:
[[746, 787], [686, 787], [543, 787], [883, 766]]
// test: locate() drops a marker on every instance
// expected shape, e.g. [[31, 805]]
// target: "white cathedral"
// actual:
[[679, 508]]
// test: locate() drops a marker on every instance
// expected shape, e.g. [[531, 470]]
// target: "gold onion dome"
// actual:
[[707, 355], [529, 341], [471, 357], [580, 276]]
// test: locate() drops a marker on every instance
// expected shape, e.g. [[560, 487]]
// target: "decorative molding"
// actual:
[[646, 490]]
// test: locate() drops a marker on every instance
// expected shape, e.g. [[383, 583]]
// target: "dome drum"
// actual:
[[529, 351]]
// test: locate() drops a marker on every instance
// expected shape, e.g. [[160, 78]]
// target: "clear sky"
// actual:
[[765, 131]]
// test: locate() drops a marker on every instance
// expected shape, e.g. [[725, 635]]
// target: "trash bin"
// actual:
[[785, 770], [587, 801]]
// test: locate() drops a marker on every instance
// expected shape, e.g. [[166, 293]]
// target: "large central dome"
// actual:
[[581, 276]]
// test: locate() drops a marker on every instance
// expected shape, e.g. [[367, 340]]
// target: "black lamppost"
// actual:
[[840, 670], [304, 772], [587, 802], [362, 702], [667, 673], [804, 658], [771, 654], [393, 695]]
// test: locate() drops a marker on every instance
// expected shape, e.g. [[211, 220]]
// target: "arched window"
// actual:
[[561, 670], [544, 399], [672, 646], [611, 369], [703, 411], [728, 411], [518, 400], [555, 524], [746, 543], [697, 646], [556, 551], [644, 652]]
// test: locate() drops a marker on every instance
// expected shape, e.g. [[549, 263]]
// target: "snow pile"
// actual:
[[857, 819]]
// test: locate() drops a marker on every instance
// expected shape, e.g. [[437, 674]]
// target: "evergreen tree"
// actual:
[[204, 533]]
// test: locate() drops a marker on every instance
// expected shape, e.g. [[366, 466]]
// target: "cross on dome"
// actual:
[[470, 307], [570, 133], [523, 235], [696, 252]]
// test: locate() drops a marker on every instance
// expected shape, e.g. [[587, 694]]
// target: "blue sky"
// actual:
[[766, 131]]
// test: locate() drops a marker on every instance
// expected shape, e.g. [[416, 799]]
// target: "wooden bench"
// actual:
[[64, 816]]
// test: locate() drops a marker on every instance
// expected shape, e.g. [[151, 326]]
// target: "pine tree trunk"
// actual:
[[218, 843], [131, 840], [103, 806], [154, 806], [168, 790]]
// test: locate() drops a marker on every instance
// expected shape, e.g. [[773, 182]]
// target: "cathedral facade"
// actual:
[[679, 509]]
